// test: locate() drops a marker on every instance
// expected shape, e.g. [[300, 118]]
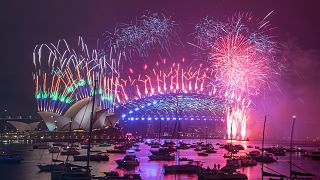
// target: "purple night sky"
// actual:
[[27, 23]]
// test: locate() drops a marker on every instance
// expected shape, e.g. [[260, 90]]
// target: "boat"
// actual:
[[104, 144], [193, 146], [198, 148], [185, 159], [136, 145], [234, 148], [183, 146], [162, 151], [267, 158], [189, 168], [51, 167], [206, 146], [58, 144], [229, 155], [161, 157], [69, 148], [71, 173], [93, 157], [41, 146], [313, 155], [117, 151], [276, 150], [254, 153], [232, 164], [168, 144], [74, 145], [249, 146], [70, 152], [112, 174], [54, 149], [7, 158], [136, 149], [210, 150], [117, 177], [155, 146], [246, 162], [215, 174], [129, 160], [203, 154], [84, 146]]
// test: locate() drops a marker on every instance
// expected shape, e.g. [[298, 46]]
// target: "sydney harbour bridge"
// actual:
[[144, 103]]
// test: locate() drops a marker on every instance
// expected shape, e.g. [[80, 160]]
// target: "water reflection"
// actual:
[[28, 169]]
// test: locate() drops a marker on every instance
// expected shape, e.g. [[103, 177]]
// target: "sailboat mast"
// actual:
[[262, 148], [160, 132], [179, 126], [294, 119], [90, 125], [206, 134]]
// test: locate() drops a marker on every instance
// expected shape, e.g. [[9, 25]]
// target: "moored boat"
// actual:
[[203, 154], [41, 146], [267, 158], [213, 174], [161, 157], [93, 157], [51, 167], [128, 160], [6, 158], [185, 159], [190, 168], [70, 152], [117, 151], [54, 149]]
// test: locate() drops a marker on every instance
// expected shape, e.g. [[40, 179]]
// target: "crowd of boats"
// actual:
[[236, 158]]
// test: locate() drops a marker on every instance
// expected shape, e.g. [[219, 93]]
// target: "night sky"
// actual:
[[27, 23]]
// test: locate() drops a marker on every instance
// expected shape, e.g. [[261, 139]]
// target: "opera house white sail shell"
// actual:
[[79, 113]]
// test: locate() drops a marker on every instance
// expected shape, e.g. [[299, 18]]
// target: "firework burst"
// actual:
[[241, 57], [146, 33]]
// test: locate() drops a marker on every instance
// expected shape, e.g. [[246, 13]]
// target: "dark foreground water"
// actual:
[[28, 169]]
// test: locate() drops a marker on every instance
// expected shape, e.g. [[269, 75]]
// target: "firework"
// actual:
[[148, 31], [165, 78], [241, 56], [63, 75]]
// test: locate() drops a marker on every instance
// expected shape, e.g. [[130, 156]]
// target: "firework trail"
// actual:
[[146, 33], [164, 78], [241, 57], [63, 75]]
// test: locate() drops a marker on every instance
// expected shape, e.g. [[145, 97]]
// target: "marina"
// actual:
[[155, 169]]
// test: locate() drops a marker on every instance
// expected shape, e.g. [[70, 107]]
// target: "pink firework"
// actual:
[[163, 78], [242, 62]]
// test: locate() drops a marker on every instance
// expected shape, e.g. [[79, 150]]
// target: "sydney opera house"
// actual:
[[78, 117]]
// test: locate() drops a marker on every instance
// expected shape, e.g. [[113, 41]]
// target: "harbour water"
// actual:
[[28, 170]]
